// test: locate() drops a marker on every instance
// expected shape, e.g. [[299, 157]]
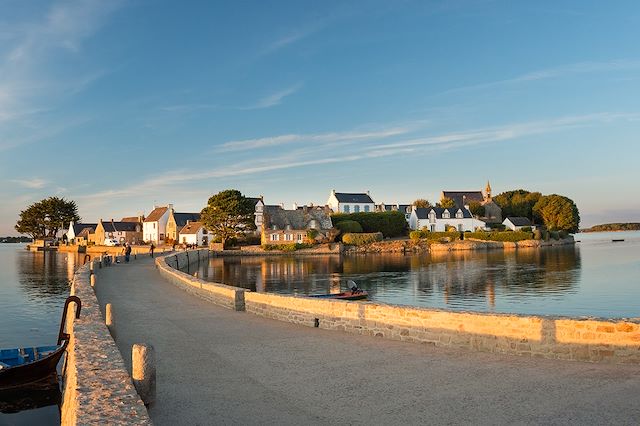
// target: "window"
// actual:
[[459, 214], [460, 228], [446, 215], [366, 209], [288, 237], [300, 237], [274, 237], [433, 228], [356, 209], [154, 225], [313, 224], [432, 217], [346, 208]]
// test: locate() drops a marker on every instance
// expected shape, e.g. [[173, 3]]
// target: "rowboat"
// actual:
[[21, 366], [347, 295]]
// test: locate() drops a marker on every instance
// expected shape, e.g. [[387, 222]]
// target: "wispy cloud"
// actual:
[[188, 107], [557, 72], [34, 183], [247, 144], [293, 36], [274, 98]]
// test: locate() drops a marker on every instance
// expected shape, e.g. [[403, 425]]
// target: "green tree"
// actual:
[[47, 217], [558, 213], [476, 209], [446, 203], [228, 214], [422, 203], [517, 203]]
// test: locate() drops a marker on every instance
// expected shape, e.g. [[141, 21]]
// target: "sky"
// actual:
[[122, 105]]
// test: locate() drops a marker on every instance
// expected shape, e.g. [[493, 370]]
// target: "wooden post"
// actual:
[[92, 280], [143, 371]]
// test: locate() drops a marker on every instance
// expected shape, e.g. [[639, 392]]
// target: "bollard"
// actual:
[[143, 371], [91, 267], [100, 263], [108, 320], [92, 279]]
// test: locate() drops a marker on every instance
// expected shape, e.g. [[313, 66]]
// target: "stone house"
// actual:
[[194, 233], [154, 227], [436, 219], [122, 232], [176, 222], [348, 202], [75, 234], [282, 226], [462, 199]]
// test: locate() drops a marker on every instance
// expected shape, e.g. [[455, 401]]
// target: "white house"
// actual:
[[76, 228], [516, 223], [194, 233], [345, 202], [437, 219], [154, 227]]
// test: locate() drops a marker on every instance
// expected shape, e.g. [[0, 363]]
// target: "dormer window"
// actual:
[[274, 227], [432, 216], [446, 215], [313, 224], [459, 214], [288, 227]]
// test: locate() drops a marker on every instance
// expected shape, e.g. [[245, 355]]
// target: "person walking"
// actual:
[[127, 252], [151, 250]]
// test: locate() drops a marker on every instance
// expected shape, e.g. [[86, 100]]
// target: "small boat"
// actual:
[[22, 366], [354, 293], [618, 240], [347, 295]]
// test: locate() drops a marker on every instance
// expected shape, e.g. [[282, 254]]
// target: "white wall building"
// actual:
[[194, 233], [437, 219], [345, 202], [154, 227], [517, 223]]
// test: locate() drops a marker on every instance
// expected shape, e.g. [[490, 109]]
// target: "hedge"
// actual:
[[349, 226], [509, 236], [391, 224], [434, 236], [362, 239], [286, 247]]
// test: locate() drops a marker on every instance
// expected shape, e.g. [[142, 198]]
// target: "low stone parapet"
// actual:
[[220, 294], [97, 388]]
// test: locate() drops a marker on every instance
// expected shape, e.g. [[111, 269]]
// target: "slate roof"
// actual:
[[468, 196], [346, 197], [423, 213], [79, 227], [403, 207], [130, 219], [182, 218], [85, 232], [120, 226], [519, 221], [254, 200], [296, 219], [191, 228], [156, 214]]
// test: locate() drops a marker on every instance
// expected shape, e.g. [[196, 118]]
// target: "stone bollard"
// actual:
[[92, 279], [143, 371], [108, 320], [91, 267], [100, 263]]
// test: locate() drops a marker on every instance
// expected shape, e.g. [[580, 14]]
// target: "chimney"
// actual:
[[170, 207], [333, 192], [368, 192], [188, 221], [304, 209], [295, 206], [262, 198], [282, 206]]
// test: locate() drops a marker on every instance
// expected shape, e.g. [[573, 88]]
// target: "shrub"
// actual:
[[434, 236], [554, 234], [349, 226], [362, 239], [286, 247], [312, 234], [525, 229], [537, 234], [391, 224], [501, 236]]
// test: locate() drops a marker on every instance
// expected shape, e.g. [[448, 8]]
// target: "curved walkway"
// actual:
[[217, 366]]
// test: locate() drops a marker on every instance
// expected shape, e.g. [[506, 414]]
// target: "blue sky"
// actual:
[[122, 104]]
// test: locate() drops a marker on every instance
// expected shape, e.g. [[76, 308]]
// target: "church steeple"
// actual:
[[487, 191]]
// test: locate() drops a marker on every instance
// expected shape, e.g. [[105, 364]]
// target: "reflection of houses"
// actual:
[[78, 233], [437, 219], [280, 226], [194, 233], [344, 202], [122, 232], [463, 199], [516, 223], [155, 225], [177, 221]]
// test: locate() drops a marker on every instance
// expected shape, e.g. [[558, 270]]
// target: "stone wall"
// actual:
[[220, 294], [534, 336], [97, 388]]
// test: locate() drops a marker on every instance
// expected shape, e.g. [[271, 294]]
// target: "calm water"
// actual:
[[33, 287], [594, 278]]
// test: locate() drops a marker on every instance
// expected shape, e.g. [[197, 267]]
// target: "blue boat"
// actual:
[[22, 366]]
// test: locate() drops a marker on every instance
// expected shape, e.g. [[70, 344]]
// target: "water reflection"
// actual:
[[488, 280], [45, 274]]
